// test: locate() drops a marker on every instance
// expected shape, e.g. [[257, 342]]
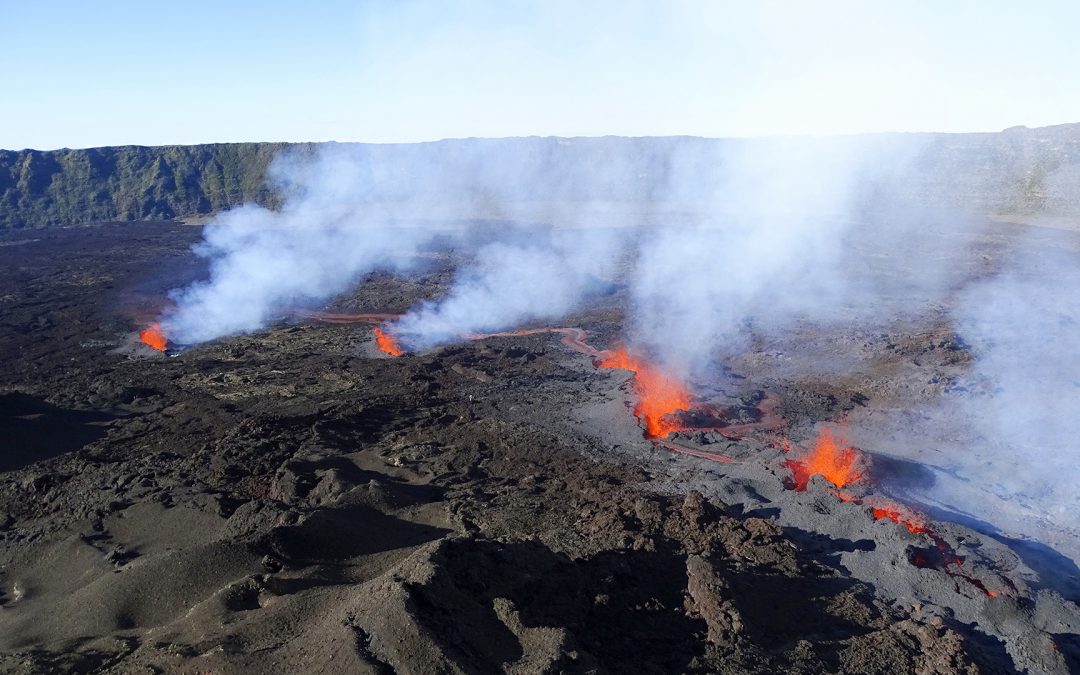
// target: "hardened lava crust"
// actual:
[[296, 500]]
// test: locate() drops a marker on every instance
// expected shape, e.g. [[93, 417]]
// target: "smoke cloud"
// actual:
[[542, 278], [328, 233], [1024, 389], [710, 244], [718, 229], [772, 244], [352, 209]]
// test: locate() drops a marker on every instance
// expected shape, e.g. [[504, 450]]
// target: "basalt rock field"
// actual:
[[296, 500]]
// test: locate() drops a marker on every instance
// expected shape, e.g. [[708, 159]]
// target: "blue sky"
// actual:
[[80, 74]]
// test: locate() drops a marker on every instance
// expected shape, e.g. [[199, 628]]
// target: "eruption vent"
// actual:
[[154, 337], [836, 463], [659, 395], [387, 343]]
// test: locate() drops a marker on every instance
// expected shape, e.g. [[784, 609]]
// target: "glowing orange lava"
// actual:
[[154, 337], [659, 395], [836, 463], [894, 512], [387, 343]]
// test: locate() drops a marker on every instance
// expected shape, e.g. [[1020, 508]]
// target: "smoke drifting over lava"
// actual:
[[324, 237], [708, 245], [715, 227], [538, 279]]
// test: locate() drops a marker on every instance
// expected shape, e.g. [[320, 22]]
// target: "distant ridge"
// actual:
[[67, 187], [1015, 172]]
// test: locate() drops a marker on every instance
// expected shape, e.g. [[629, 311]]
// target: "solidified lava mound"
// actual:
[[291, 501]]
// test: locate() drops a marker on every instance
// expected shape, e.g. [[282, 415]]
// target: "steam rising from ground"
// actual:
[[351, 210], [772, 245], [720, 227], [541, 278], [716, 233], [327, 235], [1024, 325]]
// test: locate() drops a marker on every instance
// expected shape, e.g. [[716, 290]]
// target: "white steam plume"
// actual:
[[771, 245], [780, 232], [352, 209], [541, 278], [327, 234], [1022, 398]]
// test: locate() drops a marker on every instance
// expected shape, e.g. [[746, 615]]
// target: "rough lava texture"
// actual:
[[293, 501]]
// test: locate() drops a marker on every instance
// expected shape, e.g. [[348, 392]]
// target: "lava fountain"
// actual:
[[835, 462], [387, 343], [154, 337], [659, 395]]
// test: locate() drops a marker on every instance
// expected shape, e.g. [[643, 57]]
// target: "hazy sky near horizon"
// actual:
[[81, 74]]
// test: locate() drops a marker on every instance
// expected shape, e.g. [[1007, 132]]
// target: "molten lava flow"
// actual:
[[387, 343], [693, 452], [834, 462], [154, 337], [941, 557], [659, 395], [944, 558], [768, 420], [913, 522], [574, 338]]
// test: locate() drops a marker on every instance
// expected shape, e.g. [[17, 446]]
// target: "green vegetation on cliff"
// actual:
[[63, 187]]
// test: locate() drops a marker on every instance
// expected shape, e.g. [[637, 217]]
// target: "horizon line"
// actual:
[[449, 139]]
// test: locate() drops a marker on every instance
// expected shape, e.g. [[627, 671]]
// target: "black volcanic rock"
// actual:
[[280, 502]]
